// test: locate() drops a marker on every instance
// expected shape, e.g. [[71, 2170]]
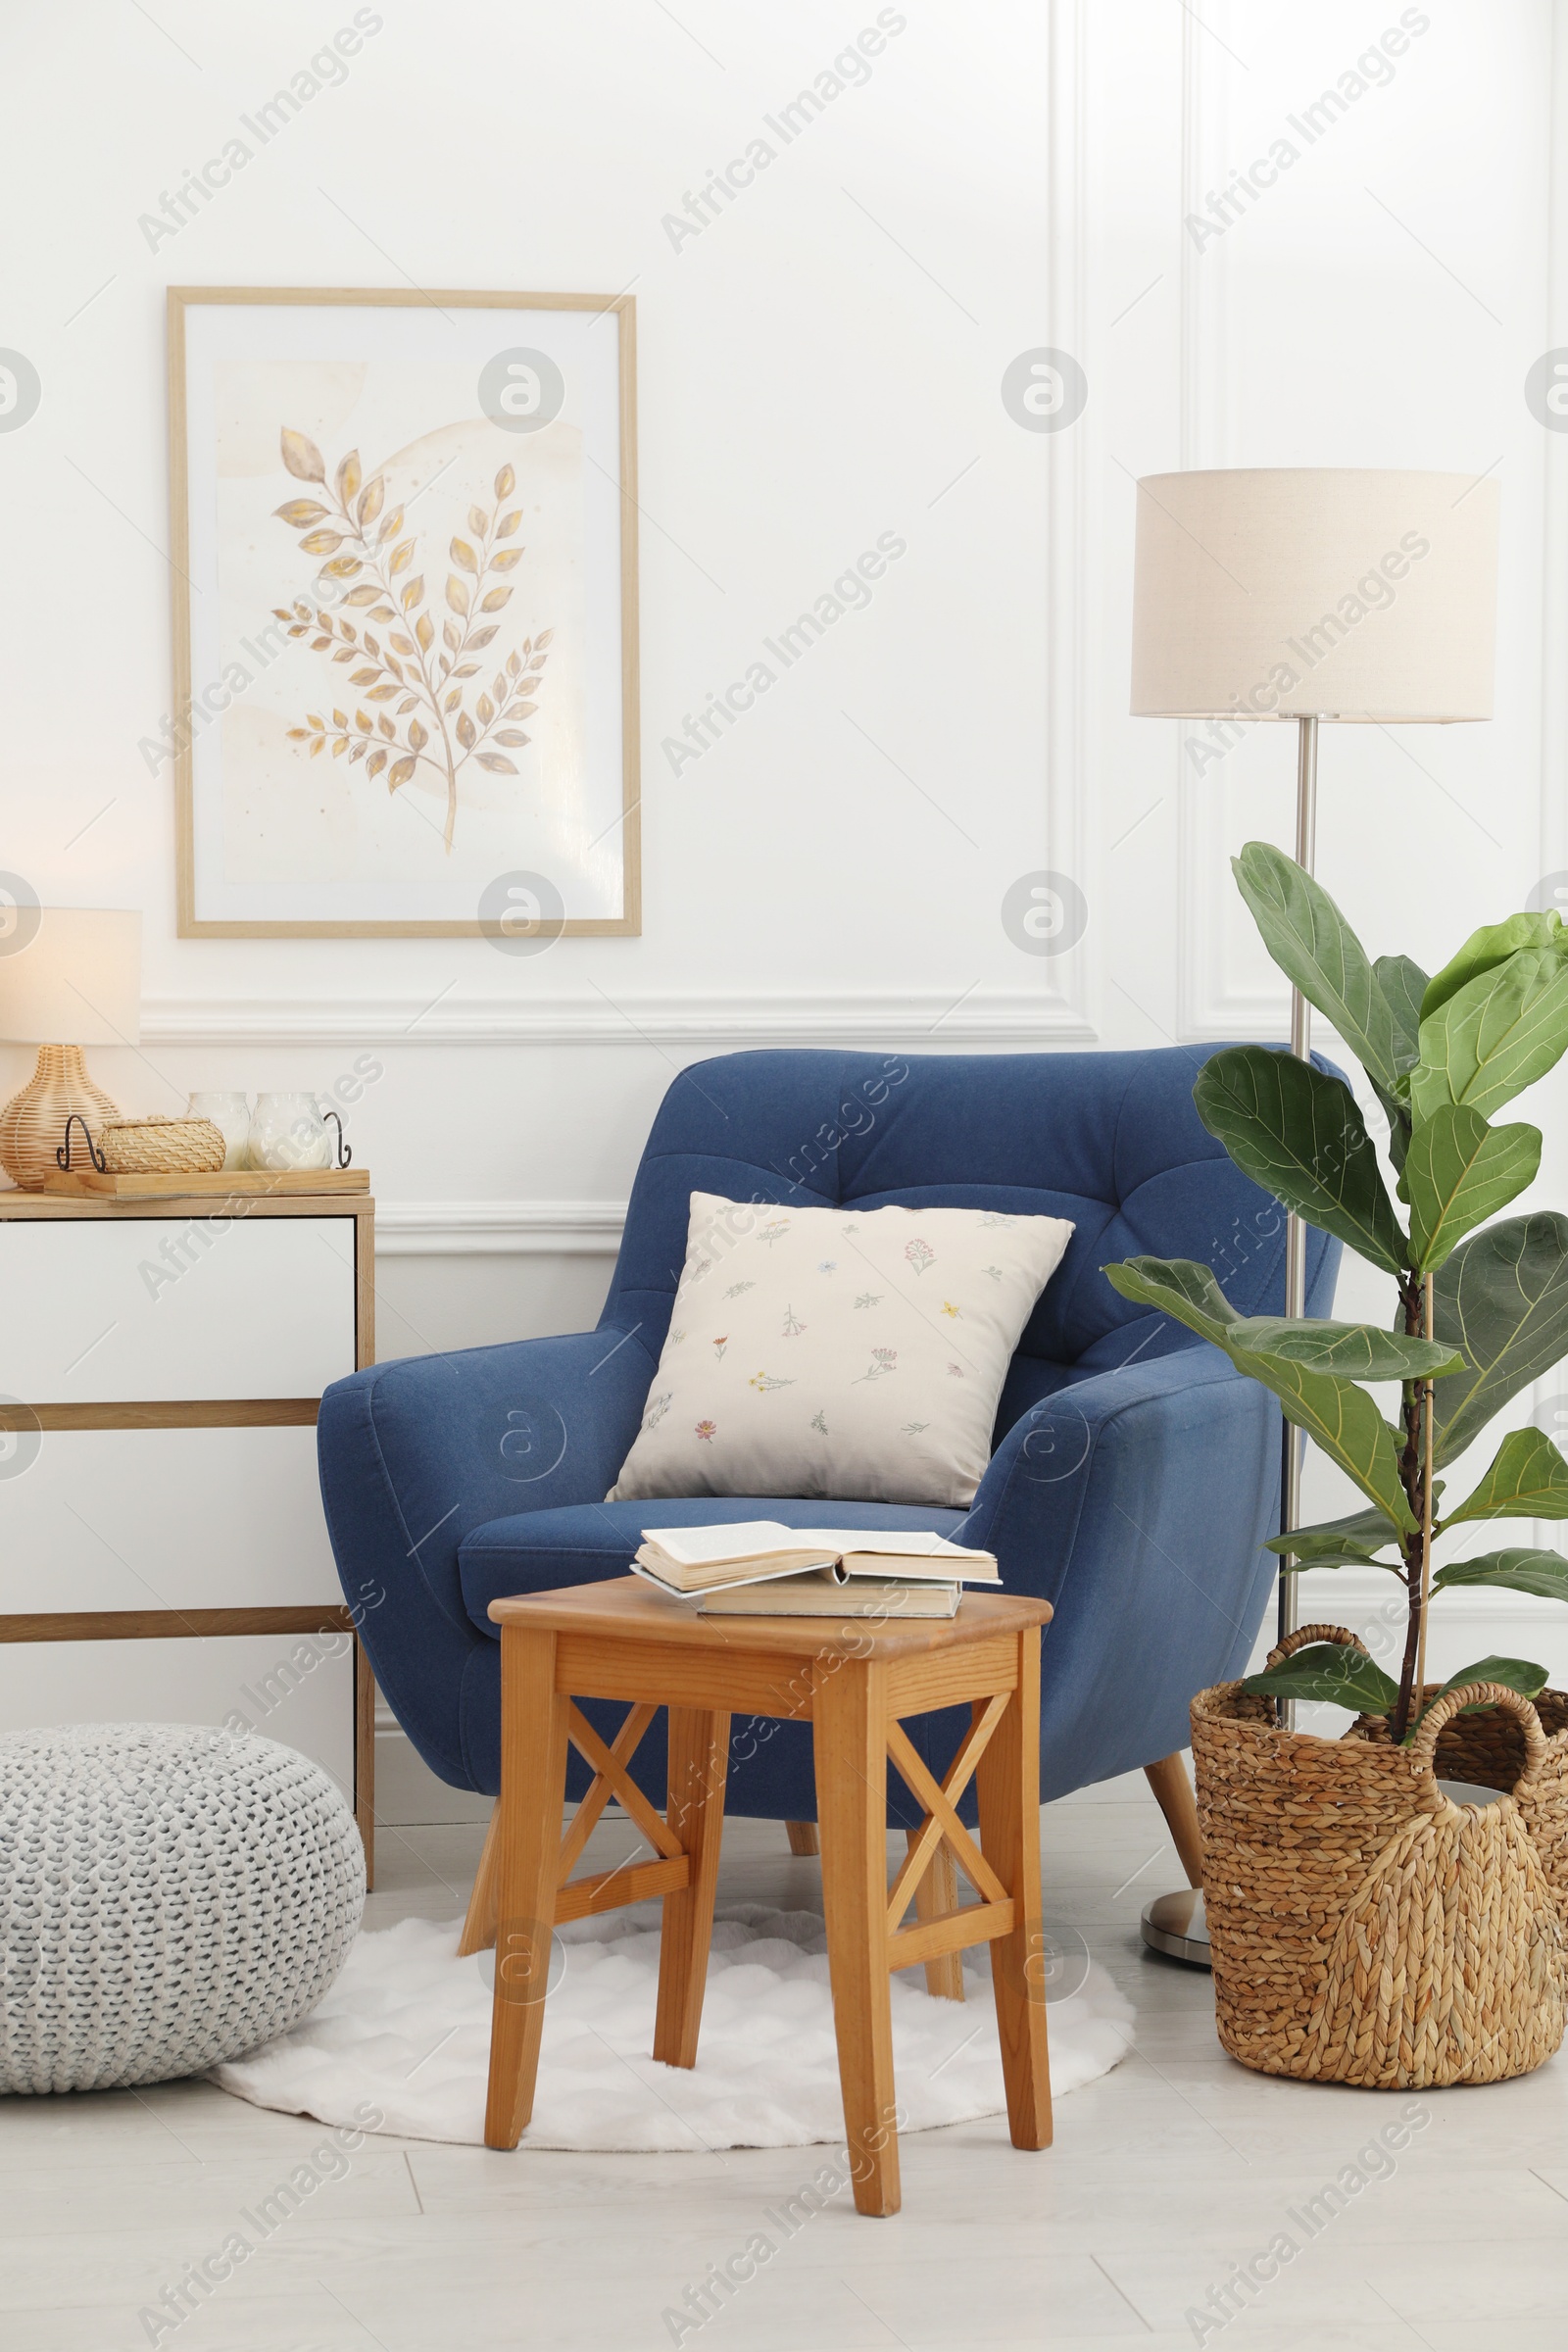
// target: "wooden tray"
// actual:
[[87, 1183]]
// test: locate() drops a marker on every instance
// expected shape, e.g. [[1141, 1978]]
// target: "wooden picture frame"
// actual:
[[594, 672]]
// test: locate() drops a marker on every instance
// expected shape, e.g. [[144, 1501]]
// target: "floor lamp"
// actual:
[[1306, 593]]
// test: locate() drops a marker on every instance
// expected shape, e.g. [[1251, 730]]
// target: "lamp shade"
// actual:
[[77, 981], [1299, 591]]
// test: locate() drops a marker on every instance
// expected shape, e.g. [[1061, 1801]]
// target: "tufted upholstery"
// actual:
[[1134, 1474]]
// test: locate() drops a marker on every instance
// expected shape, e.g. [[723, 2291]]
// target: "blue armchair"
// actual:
[[1134, 1475]]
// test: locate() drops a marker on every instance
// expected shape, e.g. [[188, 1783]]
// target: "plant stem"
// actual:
[[1413, 1479]]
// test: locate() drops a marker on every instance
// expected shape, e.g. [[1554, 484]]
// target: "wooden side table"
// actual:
[[853, 1683], [162, 1362]]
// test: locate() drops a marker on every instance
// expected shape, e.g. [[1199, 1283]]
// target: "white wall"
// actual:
[[820, 365]]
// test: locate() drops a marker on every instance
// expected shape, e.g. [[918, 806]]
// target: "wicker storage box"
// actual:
[[159, 1147], [1364, 1928]]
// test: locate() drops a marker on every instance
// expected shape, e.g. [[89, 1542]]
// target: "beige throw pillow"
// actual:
[[851, 1354]]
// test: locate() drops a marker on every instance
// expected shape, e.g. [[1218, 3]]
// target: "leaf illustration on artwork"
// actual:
[[767, 1380], [658, 1408], [913, 1429], [431, 726], [818, 1423], [736, 1287], [920, 1255], [994, 1273], [870, 1299], [773, 1232]]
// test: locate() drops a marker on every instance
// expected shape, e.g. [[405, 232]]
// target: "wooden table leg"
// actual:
[[849, 1711], [533, 1789], [1009, 1784], [698, 1758]]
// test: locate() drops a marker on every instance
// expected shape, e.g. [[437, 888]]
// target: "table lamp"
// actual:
[[79, 976], [1309, 593]]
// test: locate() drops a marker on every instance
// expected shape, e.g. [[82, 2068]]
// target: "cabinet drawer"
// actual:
[[100, 1310], [297, 1689], [166, 1519]]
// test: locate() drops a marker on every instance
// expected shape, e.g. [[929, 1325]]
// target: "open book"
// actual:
[[811, 1567]]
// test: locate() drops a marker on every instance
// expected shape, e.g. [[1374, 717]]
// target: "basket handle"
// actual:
[[1313, 1633], [1443, 1711]]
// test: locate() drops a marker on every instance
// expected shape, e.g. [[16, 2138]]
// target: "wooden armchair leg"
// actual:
[[1174, 1792], [938, 1893], [479, 1927], [803, 1837]]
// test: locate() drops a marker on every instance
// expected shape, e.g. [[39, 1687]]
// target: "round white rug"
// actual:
[[406, 2030]]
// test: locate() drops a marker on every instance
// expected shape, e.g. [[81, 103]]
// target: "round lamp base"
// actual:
[[1175, 1925]]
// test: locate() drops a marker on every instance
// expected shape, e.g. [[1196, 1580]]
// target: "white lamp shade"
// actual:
[[1294, 591], [77, 981]]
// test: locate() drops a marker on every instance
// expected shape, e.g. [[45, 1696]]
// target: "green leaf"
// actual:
[[1315, 947], [1354, 1350], [1405, 984], [1458, 1172], [1502, 1301], [1298, 1133], [1348, 1543], [1545, 1574], [1340, 1416], [1515, 1674], [1529, 1480], [1488, 947], [1494, 1036], [1328, 1671]]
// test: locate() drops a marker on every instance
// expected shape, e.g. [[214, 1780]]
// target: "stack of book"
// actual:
[[759, 1568]]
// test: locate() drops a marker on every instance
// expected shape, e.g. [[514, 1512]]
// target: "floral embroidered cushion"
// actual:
[[851, 1354]]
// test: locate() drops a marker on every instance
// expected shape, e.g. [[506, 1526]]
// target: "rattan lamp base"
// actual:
[[32, 1123]]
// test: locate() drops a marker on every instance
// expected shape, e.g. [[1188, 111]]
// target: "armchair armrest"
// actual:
[[1136, 1501], [416, 1454]]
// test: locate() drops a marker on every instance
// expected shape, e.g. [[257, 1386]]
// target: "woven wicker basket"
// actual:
[[157, 1146], [1365, 1929]]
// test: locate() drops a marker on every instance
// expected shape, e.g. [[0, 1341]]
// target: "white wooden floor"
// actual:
[[1164, 2176]]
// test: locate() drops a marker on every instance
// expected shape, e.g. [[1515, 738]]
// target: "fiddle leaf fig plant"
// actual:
[[1483, 1308]]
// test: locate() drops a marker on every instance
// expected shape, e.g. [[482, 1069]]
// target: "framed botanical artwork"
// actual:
[[405, 566]]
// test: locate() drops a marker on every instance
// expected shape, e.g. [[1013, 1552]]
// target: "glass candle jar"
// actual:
[[288, 1131]]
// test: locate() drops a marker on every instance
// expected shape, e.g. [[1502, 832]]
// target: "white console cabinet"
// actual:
[[162, 1551]]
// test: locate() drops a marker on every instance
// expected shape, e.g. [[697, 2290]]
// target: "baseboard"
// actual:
[[407, 1793]]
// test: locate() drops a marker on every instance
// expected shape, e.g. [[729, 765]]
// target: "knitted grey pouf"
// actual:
[[169, 1896]]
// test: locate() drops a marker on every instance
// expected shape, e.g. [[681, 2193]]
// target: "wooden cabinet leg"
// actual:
[[1009, 1784], [1174, 1790], [479, 1927], [938, 1893], [364, 1756], [533, 1789], [849, 1707], [803, 1837], [699, 1757]]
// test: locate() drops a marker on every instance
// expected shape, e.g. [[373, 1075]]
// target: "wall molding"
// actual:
[[499, 1228], [934, 1018]]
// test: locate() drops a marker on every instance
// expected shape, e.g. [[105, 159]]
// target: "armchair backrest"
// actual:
[[1111, 1141]]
